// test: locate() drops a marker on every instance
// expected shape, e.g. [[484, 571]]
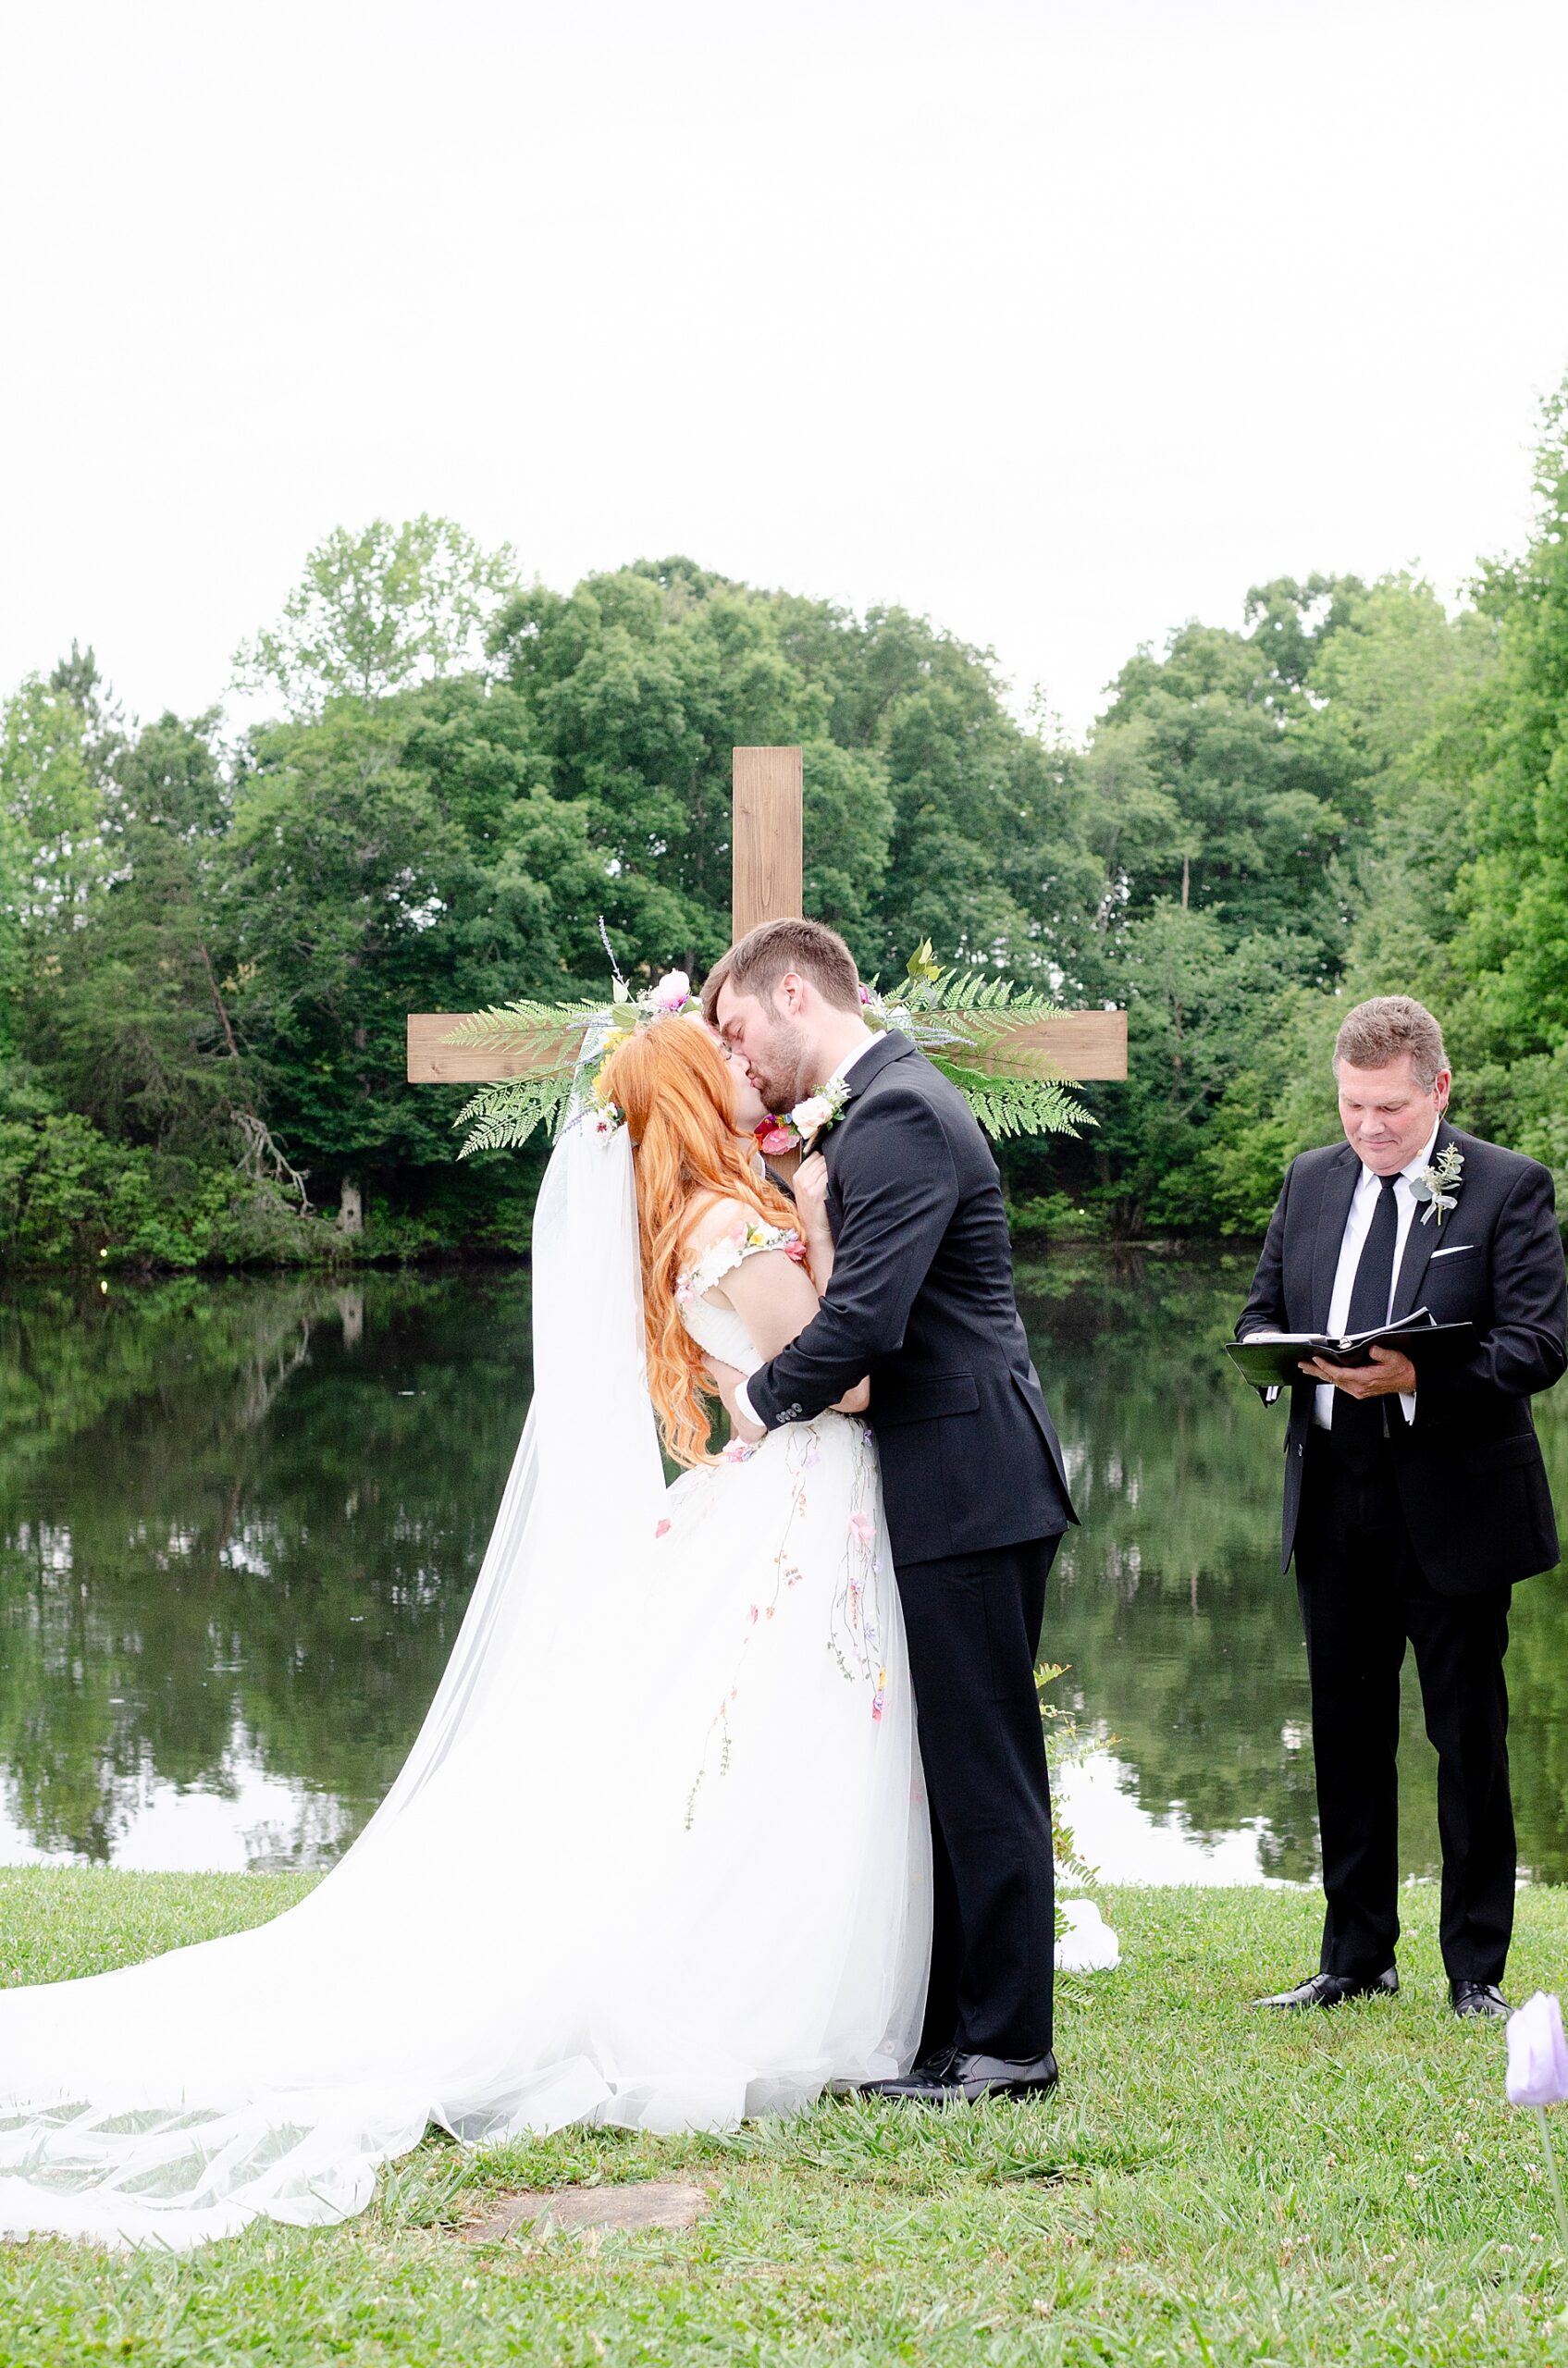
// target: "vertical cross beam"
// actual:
[[767, 881]]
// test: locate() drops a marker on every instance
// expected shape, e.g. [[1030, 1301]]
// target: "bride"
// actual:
[[659, 1854]]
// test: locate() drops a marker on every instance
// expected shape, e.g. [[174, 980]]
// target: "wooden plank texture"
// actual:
[[431, 1062], [1082, 1045], [766, 838]]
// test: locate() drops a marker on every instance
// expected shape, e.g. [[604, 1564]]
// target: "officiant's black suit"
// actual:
[[1418, 1533], [921, 1301]]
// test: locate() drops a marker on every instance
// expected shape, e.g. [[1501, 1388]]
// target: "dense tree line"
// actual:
[[208, 941]]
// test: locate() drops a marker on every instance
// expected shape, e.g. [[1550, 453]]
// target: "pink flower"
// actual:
[[672, 993], [795, 1248], [1538, 2053], [774, 1138], [660, 1529], [864, 995], [862, 1528]]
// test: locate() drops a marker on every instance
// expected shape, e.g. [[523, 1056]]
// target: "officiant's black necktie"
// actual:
[[1358, 1422]]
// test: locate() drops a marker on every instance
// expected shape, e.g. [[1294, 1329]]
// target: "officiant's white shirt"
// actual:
[[1357, 1226], [839, 1077]]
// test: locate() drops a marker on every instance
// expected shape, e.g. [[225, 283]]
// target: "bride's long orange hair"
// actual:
[[672, 1083]]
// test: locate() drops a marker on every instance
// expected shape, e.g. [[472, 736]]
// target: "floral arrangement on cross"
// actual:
[[966, 1023]]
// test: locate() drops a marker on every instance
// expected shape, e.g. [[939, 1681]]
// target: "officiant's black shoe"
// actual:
[[1332, 1989], [1479, 1998], [955, 2078]]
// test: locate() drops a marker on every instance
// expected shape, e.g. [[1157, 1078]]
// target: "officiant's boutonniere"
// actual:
[[1433, 1184], [812, 1117]]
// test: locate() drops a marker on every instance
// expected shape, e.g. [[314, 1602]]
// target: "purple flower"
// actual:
[[1538, 2053]]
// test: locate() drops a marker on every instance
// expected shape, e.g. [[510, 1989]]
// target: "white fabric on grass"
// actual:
[[652, 1858]]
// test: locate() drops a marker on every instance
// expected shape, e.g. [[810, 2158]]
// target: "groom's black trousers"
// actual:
[[1363, 1598], [973, 1624]]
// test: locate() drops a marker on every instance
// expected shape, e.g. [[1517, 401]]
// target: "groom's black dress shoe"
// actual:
[[1332, 1989], [1479, 1998], [955, 2078]]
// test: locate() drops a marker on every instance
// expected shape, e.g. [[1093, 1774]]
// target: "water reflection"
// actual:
[[238, 1526], [238, 1523]]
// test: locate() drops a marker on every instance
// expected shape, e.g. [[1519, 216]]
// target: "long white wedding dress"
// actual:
[[660, 1855]]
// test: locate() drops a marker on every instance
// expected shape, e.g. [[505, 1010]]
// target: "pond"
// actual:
[[239, 1521]]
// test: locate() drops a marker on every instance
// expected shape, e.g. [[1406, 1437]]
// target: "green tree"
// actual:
[[379, 609]]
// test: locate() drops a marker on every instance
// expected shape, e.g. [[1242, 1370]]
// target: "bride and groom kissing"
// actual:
[[734, 1790]]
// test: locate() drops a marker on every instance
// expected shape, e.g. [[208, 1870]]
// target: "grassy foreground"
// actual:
[[1211, 2185]]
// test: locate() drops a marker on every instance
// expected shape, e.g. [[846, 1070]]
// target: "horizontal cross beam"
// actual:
[[1081, 1046]]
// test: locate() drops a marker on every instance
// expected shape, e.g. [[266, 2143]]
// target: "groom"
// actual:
[[921, 1300]]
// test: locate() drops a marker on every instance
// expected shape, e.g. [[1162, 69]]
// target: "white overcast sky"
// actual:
[[1057, 322]]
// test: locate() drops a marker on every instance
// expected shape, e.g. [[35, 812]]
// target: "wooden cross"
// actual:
[[767, 884]]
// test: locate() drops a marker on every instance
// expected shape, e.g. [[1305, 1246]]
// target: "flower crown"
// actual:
[[669, 998], [960, 1019]]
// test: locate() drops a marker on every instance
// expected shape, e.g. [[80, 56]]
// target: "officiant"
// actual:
[[1412, 1507]]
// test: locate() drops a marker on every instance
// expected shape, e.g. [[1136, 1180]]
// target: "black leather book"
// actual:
[[1273, 1360]]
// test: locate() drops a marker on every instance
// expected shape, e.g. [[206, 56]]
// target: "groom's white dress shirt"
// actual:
[[1357, 1225], [839, 1077]]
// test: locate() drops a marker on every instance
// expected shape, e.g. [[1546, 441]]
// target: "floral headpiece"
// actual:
[[669, 998], [960, 1019], [562, 1050]]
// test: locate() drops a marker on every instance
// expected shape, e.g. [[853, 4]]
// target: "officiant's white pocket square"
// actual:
[[1454, 1250]]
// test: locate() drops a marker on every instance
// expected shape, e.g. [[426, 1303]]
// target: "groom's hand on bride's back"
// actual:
[[726, 1380]]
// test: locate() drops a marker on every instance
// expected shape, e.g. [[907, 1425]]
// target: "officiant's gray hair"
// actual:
[[1376, 1032]]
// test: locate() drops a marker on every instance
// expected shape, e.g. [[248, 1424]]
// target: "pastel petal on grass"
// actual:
[[1538, 2053]]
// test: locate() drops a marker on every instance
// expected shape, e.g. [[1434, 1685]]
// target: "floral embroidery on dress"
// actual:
[[745, 1238], [855, 1630], [854, 1627]]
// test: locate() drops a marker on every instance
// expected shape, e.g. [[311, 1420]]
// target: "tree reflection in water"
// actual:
[[239, 1521]]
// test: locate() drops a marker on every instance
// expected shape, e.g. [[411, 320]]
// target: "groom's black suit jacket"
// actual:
[[1471, 1485], [921, 1300]]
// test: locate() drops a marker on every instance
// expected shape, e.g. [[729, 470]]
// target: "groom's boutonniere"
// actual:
[[1438, 1184], [810, 1118]]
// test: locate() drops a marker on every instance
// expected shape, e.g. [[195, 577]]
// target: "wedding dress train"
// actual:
[[659, 1855]]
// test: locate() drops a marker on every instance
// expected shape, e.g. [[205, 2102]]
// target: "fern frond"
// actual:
[[506, 1026], [502, 1116], [1015, 1105]]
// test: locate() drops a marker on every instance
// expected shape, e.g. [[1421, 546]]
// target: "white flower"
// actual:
[[1429, 1184], [1538, 2053], [819, 1110], [672, 993]]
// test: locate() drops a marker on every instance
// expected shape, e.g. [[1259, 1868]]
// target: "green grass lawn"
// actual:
[[1210, 2185]]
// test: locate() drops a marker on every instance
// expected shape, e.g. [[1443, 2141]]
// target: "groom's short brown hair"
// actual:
[[765, 952]]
